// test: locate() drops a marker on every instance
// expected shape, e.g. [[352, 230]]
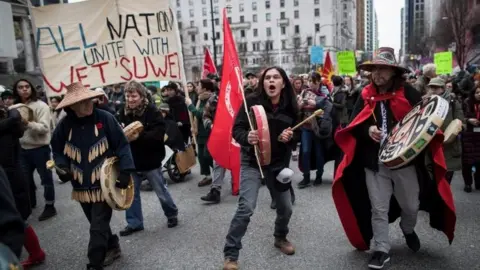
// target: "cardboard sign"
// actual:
[[105, 42], [346, 63], [444, 62]]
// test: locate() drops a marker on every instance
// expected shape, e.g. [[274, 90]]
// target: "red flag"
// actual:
[[222, 147], [208, 64], [327, 70]]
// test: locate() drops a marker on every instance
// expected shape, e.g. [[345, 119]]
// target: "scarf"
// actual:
[[139, 110], [201, 97]]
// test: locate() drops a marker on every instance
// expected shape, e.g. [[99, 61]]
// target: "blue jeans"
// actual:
[[311, 143], [134, 213], [249, 186], [31, 159]]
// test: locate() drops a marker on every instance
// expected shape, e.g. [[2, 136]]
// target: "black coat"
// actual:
[[175, 138], [12, 226], [178, 109], [278, 120], [11, 130], [148, 150]]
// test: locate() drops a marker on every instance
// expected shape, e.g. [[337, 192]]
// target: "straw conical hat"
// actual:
[[76, 92], [385, 57]]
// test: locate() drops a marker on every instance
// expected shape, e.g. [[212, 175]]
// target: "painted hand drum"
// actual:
[[25, 111], [260, 123], [413, 133], [117, 199]]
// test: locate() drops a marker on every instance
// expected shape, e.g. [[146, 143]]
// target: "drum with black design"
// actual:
[[117, 199], [260, 123], [414, 132]]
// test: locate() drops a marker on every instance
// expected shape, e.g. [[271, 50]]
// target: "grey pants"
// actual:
[[381, 185], [249, 187], [218, 176]]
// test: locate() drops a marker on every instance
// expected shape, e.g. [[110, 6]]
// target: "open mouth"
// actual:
[[272, 87]]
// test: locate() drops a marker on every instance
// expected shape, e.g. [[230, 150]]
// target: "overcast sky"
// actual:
[[388, 15]]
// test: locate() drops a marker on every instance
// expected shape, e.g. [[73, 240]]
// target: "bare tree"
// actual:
[[455, 25], [267, 52], [299, 52], [242, 50]]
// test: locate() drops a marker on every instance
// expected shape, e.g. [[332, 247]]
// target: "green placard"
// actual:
[[444, 62], [346, 63]]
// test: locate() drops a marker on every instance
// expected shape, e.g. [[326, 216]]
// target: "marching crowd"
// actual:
[[81, 129]]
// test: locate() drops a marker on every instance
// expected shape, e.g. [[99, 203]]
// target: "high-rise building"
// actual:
[[267, 32], [415, 25], [369, 26], [402, 34], [361, 25], [376, 40]]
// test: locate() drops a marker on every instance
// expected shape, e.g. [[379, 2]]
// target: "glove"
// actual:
[[123, 180], [67, 176]]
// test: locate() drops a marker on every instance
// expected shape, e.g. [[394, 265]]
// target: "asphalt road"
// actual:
[[197, 242]]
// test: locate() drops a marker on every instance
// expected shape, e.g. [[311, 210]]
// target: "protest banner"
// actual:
[[444, 62], [105, 42], [346, 63], [316, 55]]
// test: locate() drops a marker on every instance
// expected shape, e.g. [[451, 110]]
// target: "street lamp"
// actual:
[[214, 37]]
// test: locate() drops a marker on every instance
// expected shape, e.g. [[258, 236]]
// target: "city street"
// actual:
[[197, 242]]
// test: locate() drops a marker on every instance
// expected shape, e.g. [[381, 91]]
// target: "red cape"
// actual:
[[349, 189]]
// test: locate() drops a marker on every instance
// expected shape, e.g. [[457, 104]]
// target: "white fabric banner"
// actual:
[[106, 42]]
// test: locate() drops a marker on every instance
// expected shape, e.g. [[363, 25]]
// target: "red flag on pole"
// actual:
[[208, 64], [222, 147]]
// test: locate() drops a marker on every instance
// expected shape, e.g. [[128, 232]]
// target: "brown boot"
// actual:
[[230, 265], [284, 245], [207, 180]]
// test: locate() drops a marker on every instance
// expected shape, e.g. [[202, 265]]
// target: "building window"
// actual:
[[194, 51], [284, 44], [256, 46], [192, 23], [229, 19], [240, 7], [179, 25], [242, 19], [242, 33], [282, 3], [205, 23], [217, 21], [179, 15], [296, 14], [269, 32], [192, 38], [254, 5], [282, 15], [267, 17], [255, 32], [219, 49], [297, 29], [205, 36], [178, 3], [181, 38], [192, 14], [204, 2], [215, 10], [317, 27], [190, 2], [317, 12], [267, 4], [297, 42], [283, 30], [268, 45], [309, 41], [323, 40], [295, 3], [254, 18], [217, 35], [204, 11]]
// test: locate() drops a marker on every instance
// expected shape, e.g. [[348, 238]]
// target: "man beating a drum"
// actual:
[[276, 96], [368, 195], [81, 143]]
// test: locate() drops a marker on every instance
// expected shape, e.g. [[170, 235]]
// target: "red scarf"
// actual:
[[476, 107]]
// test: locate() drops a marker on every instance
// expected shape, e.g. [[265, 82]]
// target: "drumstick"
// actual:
[[316, 113], [255, 147], [51, 164]]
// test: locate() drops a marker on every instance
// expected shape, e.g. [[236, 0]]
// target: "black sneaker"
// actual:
[[213, 196], [467, 188], [318, 181], [412, 241], [273, 205], [378, 260], [128, 231], [48, 212], [172, 222], [112, 255], [304, 183]]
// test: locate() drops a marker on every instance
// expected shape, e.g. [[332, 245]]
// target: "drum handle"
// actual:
[[51, 165], [255, 147], [316, 113]]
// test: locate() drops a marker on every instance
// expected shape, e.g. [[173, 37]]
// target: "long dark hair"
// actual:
[[16, 96], [288, 100], [471, 101]]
